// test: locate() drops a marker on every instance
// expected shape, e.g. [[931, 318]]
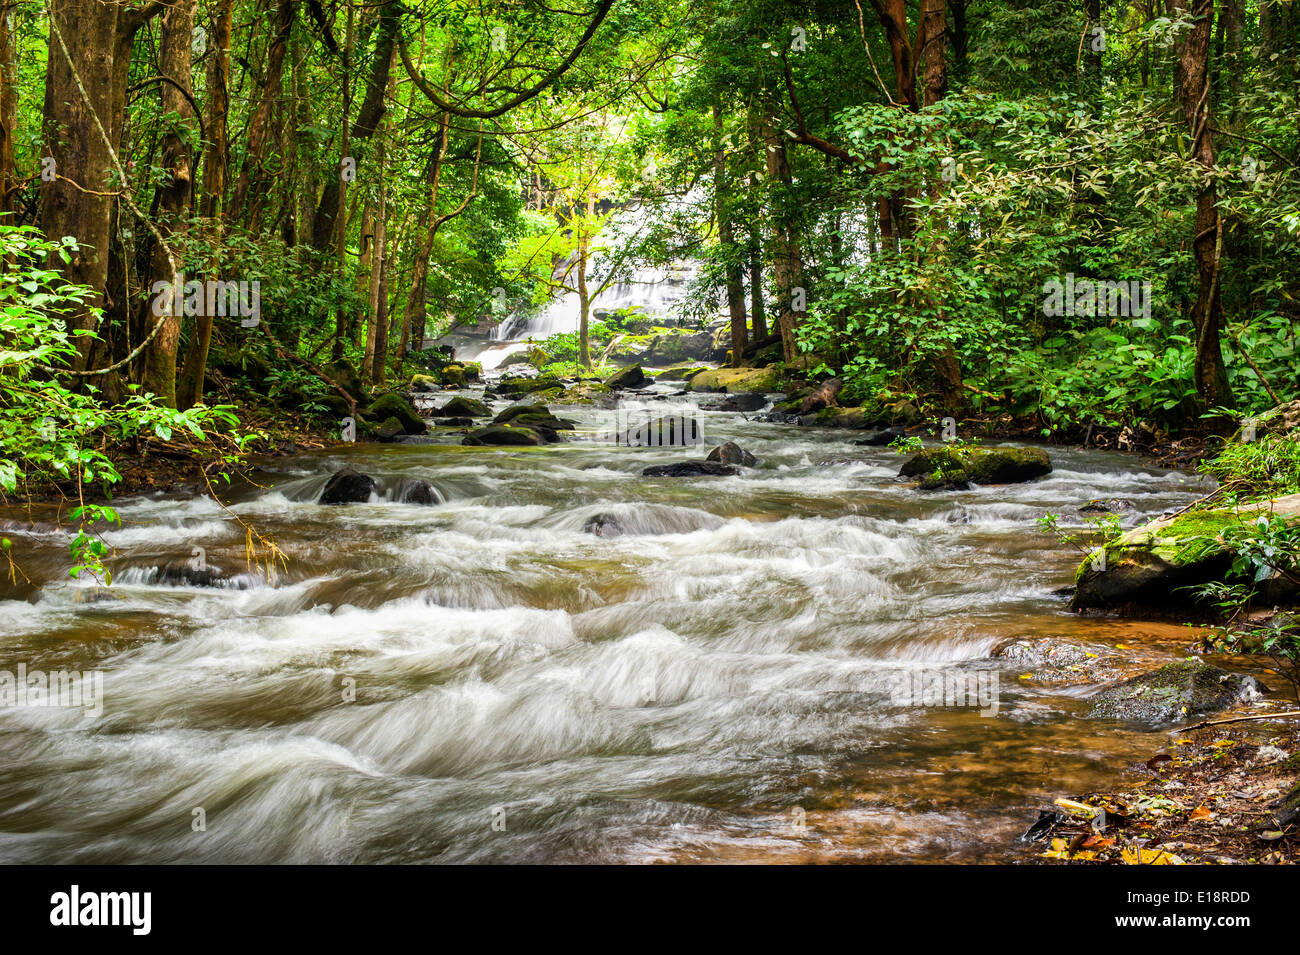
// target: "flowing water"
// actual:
[[484, 681]]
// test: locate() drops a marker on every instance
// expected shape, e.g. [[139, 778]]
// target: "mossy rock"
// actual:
[[946, 466], [389, 430], [735, 380], [858, 418], [513, 387], [424, 384], [586, 393], [453, 376], [348, 378], [681, 372], [514, 411], [504, 435], [1175, 692], [473, 371], [462, 407], [395, 405], [631, 377], [1152, 564]]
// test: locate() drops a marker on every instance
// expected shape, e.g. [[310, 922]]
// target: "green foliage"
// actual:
[[49, 431]]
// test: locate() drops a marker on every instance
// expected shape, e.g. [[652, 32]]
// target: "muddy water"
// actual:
[[716, 683]]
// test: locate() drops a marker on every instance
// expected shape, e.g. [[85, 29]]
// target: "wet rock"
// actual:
[[416, 491], [503, 434], [665, 432], [732, 453], [453, 376], [423, 384], [188, 575], [395, 405], [691, 469], [881, 438], [462, 407], [630, 377], [523, 408], [588, 393], [455, 422], [1152, 565], [348, 486], [1112, 505], [388, 430], [680, 372], [1057, 663], [948, 467], [604, 525], [1175, 692], [736, 380], [517, 386], [742, 402], [473, 371]]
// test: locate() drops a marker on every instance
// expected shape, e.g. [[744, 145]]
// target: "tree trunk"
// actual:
[[1192, 74], [367, 121], [735, 286], [172, 197], [189, 388], [75, 153], [251, 189], [787, 265]]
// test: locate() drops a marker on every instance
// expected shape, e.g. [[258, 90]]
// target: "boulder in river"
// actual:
[[947, 467], [691, 469], [732, 453], [631, 377], [1152, 564], [733, 380], [348, 486], [504, 435], [462, 407], [1175, 692], [745, 402], [515, 387], [666, 431], [453, 376], [604, 525], [416, 491], [388, 430], [878, 439], [394, 405], [423, 384]]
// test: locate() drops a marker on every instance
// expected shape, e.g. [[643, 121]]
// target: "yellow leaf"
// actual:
[[1221, 743], [1077, 808], [1200, 812], [1150, 857]]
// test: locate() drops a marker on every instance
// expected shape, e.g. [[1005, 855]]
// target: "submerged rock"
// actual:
[[348, 486], [691, 469], [604, 525], [1175, 692], [732, 453]]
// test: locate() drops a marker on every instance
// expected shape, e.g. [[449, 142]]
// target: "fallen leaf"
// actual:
[[1157, 759], [1200, 812], [1271, 835], [1149, 857]]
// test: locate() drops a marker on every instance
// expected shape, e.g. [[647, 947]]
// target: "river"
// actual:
[[484, 681]]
